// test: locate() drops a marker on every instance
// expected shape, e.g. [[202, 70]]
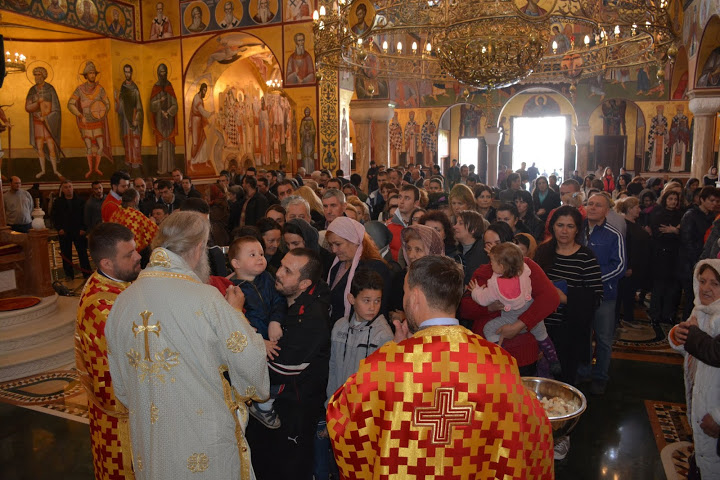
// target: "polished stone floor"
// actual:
[[613, 440]]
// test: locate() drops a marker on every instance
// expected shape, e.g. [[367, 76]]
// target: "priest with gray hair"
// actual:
[[184, 361]]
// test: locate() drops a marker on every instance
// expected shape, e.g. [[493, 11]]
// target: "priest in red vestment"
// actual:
[[442, 403]]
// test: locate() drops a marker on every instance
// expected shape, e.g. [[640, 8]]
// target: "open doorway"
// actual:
[[540, 140]]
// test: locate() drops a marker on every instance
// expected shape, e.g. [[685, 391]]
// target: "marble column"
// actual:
[[705, 111], [372, 122], [582, 145], [493, 137]]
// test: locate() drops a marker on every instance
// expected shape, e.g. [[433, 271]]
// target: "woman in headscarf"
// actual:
[[527, 244], [417, 241], [353, 249], [711, 177], [702, 381], [438, 221]]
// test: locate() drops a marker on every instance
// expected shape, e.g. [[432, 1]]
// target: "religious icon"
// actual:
[[557, 35], [307, 140], [198, 121], [18, 4], [657, 141], [129, 108], [297, 10], [412, 132], [428, 137], [613, 115], [87, 12], [115, 21], [710, 75], [361, 18], [160, 26], [344, 141], [198, 15], [534, 8], [263, 11], [679, 140], [228, 13], [43, 106], [396, 139], [300, 65], [56, 9], [164, 108], [90, 104]]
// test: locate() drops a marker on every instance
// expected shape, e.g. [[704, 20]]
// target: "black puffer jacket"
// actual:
[[693, 226]]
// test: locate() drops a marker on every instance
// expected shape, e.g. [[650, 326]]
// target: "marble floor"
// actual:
[[614, 439]]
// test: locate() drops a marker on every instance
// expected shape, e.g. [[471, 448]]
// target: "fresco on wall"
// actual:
[[296, 10], [160, 25], [300, 64], [540, 106], [202, 16], [690, 30], [613, 116], [43, 107], [470, 116], [102, 16], [669, 140], [236, 120], [307, 135]]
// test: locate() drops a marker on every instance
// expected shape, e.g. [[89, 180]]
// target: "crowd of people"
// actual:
[[328, 270]]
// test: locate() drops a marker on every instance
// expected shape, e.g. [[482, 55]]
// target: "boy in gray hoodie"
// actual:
[[355, 337]]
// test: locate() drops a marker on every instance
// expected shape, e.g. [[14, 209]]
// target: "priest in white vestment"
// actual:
[[170, 338]]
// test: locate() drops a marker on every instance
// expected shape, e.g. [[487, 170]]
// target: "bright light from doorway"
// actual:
[[469, 152], [540, 140]]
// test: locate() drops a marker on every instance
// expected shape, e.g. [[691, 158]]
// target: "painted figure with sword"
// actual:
[[43, 105]]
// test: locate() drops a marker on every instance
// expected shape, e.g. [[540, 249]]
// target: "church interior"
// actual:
[[207, 86]]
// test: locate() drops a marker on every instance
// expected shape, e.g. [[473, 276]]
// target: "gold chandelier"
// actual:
[[489, 44], [14, 64]]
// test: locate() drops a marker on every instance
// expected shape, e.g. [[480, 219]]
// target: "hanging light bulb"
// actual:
[[428, 48], [322, 10], [586, 40], [554, 46], [316, 16], [617, 31], [385, 46], [399, 47], [414, 47]]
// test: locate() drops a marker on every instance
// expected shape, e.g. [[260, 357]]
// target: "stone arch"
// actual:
[[708, 56]]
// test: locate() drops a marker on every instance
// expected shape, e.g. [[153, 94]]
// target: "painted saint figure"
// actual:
[[43, 105], [361, 26], [197, 24], [307, 141], [412, 129], [90, 104], [87, 16], [264, 14], [344, 142], [679, 140], [428, 136], [300, 66], [396, 140], [160, 27], [264, 132], [613, 115], [128, 106], [657, 141], [198, 121], [116, 28], [56, 11], [229, 20], [164, 108]]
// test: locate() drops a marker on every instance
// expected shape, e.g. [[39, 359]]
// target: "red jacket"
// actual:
[[523, 347], [396, 242]]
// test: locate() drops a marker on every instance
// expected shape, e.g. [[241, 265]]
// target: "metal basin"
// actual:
[[547, 388]]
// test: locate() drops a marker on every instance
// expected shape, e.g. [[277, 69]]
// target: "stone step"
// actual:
[[41, 358], [44, 329], [42, 342], [47, 306]]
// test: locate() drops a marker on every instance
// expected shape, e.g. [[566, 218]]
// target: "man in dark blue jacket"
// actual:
[[695, 222], [609, 247]]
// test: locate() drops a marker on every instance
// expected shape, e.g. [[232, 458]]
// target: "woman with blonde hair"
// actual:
[[361, 207], [311, 197], [461, 198]]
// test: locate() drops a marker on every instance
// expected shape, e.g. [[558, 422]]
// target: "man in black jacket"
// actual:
[[68, 218], [695, 222], [168, 197], [300, 364], [255, 204]]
